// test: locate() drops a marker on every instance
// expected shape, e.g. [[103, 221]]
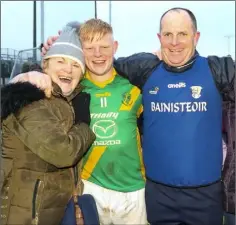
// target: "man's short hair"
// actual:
[[94, 29], [179, 9]]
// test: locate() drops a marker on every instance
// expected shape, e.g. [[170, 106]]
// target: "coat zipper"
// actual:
[[35, 203], [75, 180], [76, 174]]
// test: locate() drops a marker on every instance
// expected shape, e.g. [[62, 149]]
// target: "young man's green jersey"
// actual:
[[115, 159]]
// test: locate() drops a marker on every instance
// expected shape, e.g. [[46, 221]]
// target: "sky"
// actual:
[[135, 23]]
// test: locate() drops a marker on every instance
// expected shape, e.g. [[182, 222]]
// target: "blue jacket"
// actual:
[[139, 69]]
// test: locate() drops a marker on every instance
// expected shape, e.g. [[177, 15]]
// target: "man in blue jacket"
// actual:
[[182, 130], [182, 140]]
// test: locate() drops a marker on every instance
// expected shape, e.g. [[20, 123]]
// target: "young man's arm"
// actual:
[[223, 70], [137, 68]]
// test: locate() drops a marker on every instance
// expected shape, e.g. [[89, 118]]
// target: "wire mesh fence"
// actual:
[[14, 62], [24, 59]]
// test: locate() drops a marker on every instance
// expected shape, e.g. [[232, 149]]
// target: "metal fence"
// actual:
[[14, 62], [24, 57]]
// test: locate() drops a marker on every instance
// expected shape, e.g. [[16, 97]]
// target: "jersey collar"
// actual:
[[101, 84]]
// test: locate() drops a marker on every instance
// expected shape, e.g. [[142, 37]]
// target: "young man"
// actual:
[[113, 170]]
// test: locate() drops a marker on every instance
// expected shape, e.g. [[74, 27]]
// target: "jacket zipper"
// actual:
[[35, 203], [73, 172], [75, 169]]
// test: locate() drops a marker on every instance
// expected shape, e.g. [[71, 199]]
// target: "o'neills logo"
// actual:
[[179, 107]]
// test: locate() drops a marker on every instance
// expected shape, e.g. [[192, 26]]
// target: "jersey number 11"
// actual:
[[103, 101]]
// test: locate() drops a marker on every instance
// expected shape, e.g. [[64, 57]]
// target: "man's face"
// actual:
[[99, 54], [178, 38]]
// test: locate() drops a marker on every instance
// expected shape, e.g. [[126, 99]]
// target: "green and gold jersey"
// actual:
[[114, 161]]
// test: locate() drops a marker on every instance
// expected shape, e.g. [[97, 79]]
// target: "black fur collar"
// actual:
[[16, 96]]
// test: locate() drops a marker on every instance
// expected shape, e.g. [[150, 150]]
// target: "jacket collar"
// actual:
[[56, 91], [184, 67]]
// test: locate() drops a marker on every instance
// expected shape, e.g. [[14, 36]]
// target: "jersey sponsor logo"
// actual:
[[105, 94], [127, 99], [196, 91], [154, 91], [107, 142], [178, 85], [179, 107], [112, 115], [105, 129]]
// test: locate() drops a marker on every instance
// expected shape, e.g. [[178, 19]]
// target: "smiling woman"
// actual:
[[64, 61], [44, 139], [63, 71]]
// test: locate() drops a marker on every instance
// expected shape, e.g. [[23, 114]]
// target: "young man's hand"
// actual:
[[41, 80], [81, 105], [48, 44]]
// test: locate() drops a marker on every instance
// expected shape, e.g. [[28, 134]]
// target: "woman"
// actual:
[[44, 139]]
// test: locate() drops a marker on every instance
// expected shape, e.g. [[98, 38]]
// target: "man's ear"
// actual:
[[196, 38], [115, 46], [159, 36]]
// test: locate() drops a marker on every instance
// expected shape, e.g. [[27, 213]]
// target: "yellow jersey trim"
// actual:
[[101, 84]]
